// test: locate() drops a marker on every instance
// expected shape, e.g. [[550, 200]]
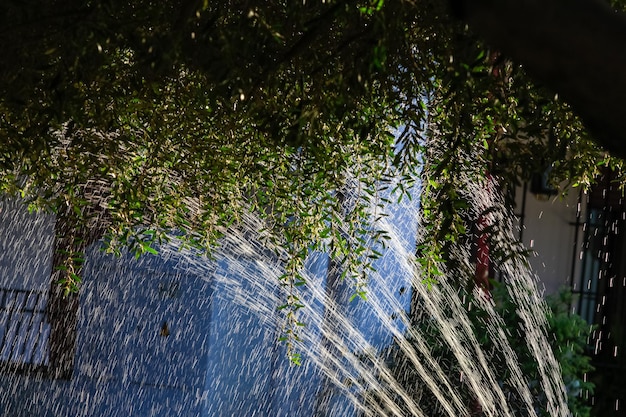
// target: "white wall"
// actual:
[[550, 231]]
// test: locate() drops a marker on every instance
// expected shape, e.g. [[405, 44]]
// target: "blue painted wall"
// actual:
[[175, 334]]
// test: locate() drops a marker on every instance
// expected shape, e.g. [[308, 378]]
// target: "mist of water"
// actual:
[[352, 348], [345, 341]]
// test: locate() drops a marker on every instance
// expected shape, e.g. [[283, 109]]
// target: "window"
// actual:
[[24, 330], [603, 293]]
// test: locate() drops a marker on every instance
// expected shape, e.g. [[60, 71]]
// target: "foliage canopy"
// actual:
[[146, 117]]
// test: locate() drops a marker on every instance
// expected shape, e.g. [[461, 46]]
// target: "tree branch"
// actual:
[[576, 47]]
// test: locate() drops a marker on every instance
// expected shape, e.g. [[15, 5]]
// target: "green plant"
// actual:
[[567, 334], [570, 334]]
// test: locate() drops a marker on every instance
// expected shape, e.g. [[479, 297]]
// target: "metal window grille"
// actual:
[[24, 329]]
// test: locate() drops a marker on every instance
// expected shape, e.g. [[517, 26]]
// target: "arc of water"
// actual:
[[521, 284], [341, 363]]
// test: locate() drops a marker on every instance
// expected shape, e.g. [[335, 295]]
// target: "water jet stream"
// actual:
[[345, 342]]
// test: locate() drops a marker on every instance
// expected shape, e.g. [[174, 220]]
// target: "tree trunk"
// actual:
[[73, 235], [336, 303]]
